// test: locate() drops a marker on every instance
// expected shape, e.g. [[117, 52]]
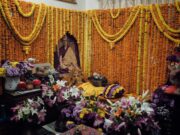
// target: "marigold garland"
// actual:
[[88, 43], [64, 22], [71, 26], [52, 36], [112, 39], [177, 5], [56, 24], [139, 52], [78, 25], [61, 22], [81, 39], [25, 40], [163, 21], [161, 29], [29, 14], [145, 47], [117, 14], [48, 33], [100, 53], [89, 57], [68, 21], [113, 36]]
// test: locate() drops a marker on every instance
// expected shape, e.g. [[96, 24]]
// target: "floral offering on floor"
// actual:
[[128, 115]]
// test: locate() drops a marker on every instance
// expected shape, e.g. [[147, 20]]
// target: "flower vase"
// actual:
[[60, 124], [11, 83]]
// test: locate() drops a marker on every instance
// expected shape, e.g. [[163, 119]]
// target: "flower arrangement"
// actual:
[[129, 115], [90, 112], [59, 92], [31, 110], [13, 69]]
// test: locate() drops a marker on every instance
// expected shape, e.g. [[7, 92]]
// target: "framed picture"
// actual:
[[69, 1]]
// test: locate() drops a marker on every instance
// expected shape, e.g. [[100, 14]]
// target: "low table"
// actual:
[[85, 130], [22, 92]]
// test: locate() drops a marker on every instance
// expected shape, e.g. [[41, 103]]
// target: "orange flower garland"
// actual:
[[22, 12], [25, 40], [139, 52], [119, 64]]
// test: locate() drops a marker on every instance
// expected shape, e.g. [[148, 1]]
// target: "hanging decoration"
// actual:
[[177, 5], [139, 52], [48, 33], [52, 35], [25, 40], [145, 54], [139, 60], [177, 41], [28, 14], [116, 15], [113, 38], [140, 57], [87, 46], [163, 21], [57, 30]]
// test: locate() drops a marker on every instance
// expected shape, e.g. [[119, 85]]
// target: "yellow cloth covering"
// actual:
[[90, 90]]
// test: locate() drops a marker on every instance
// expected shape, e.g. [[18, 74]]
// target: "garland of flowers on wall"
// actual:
[[92, 38], [116, 15], [87, 46], [145, 54], [113, 38], [42, 30], [177, 5], [139, 51], [25, 40], [163, 21], [177, 41], [28, 14], [52, 35], [148, 64], [48, 33], [57, 28]]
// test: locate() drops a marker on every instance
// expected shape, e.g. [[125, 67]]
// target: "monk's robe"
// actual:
[[69, 61]]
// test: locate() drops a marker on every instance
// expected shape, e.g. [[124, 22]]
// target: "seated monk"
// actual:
[[67, 58]]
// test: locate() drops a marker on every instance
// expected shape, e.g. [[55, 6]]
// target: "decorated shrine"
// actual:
[[82, 67]]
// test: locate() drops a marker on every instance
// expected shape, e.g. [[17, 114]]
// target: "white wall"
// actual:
[[92, 4], [95, 4], [79, 6]]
